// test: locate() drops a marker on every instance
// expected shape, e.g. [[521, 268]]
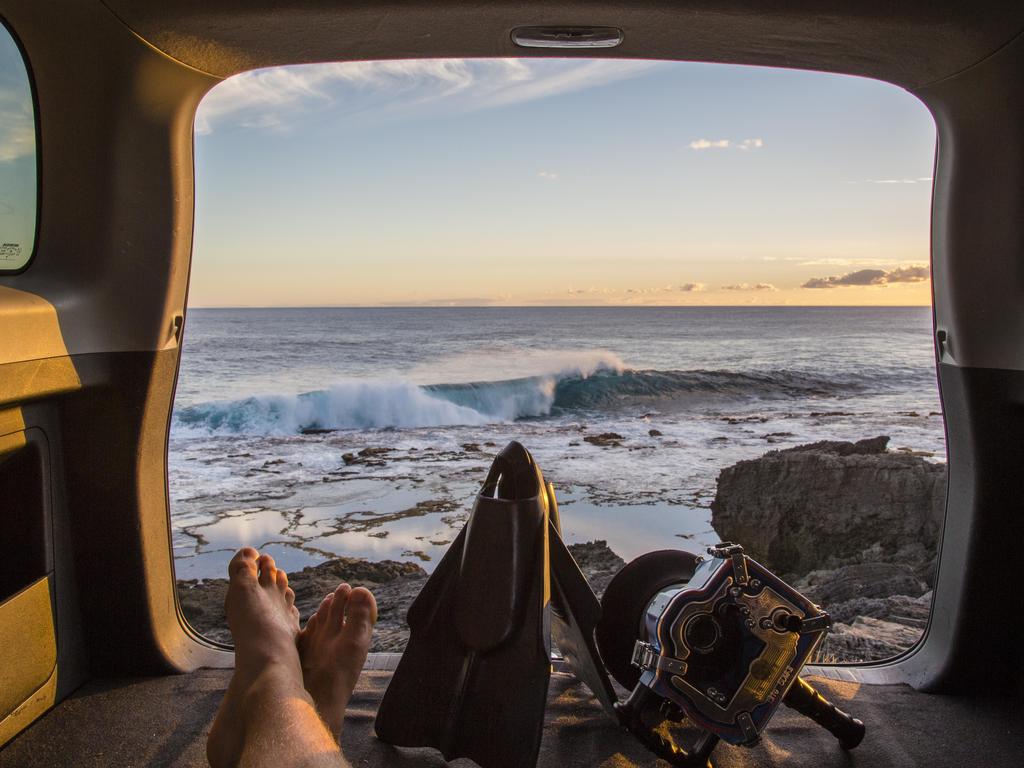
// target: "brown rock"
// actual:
[[830, 504], [867, 639], [394, 584], [605, 439], [865, 580]]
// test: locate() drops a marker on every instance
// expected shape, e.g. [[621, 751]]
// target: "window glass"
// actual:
[[699, 294], [18, 198]]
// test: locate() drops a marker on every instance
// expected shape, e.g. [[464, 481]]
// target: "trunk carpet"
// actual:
[[164, 722]]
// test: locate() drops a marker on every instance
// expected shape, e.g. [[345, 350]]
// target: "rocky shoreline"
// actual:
[[394, 584], [853, 526]]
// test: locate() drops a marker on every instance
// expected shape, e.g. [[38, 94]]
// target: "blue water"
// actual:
[[689, 390], [281, 370]]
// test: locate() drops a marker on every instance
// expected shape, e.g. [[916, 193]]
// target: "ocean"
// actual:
[[273, 407]]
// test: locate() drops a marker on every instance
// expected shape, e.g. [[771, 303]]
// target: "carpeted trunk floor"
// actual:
[[164, 722]]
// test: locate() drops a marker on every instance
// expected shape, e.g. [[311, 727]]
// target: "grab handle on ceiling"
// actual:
[[567, 37]]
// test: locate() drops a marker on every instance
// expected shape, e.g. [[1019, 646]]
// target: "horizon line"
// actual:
[[563, 306]]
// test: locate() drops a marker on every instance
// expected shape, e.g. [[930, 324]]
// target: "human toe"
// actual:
[[243, 564], [336, 613], [267, 569], [311, 624], [360, 615]]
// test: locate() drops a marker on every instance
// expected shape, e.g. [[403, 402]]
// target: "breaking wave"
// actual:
[[604, 387]]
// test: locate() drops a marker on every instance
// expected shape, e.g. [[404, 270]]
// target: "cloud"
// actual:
[[17, 123], [700, 144], [634, 293], [828, 262], [918, 180], [749, 287], [466, 301], [588, 291], [709, 144], [915, 274], [271, 98], [871, 277], [549, 175], [541, 79]]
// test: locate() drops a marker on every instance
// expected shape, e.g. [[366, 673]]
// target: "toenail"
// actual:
[[362, 599]]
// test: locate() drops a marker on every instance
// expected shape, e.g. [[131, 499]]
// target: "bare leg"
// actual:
[[333, 647], [283, 729], [266, 718]]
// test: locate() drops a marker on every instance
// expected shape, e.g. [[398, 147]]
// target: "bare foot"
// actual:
[[264, 622], [333, 647]]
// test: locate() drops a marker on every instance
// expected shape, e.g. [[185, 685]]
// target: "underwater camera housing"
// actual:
[[718, 641]]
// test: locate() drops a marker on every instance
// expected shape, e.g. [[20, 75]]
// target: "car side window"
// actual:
[[18, 162]]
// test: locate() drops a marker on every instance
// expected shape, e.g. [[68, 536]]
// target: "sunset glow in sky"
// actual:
[[523, 182]]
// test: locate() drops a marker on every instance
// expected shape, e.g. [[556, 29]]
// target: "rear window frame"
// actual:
[[6, 26]]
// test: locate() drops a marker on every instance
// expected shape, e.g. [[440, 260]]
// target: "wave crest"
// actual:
[[401, 404]]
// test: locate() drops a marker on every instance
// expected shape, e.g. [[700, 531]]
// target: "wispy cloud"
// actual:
[[871, 277], [540, 79], [463, 301], [749, 287], [918, 180], [271, 98], [841, 262], [916, 274], [745, 144], [709, 144], [549, 175], [17, 123], [634, 293]]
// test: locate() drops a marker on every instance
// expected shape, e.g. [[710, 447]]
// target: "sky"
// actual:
[[559, 182], [18, 198]]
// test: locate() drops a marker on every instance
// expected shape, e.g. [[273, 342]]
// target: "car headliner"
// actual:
[[911, 43]]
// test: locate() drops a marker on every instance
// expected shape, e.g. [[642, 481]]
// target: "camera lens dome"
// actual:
[[702, 632]]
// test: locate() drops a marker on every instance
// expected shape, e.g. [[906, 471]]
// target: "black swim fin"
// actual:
[[575, 614], [473, 679]]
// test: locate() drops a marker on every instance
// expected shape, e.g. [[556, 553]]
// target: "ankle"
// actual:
[[276, 683]]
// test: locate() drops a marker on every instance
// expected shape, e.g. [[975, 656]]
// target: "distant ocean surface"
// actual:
[[277, 371], [719, 384]]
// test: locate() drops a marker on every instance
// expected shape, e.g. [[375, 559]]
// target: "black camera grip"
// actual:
[[641, 715], [807, 701]]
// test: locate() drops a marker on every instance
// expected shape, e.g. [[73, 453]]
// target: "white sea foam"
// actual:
[[504, 363], [380, 403], [402, 405], [347, 405]]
